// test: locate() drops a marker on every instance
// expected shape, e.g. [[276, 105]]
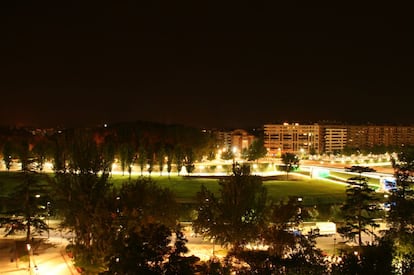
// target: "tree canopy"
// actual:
[[237, 216]]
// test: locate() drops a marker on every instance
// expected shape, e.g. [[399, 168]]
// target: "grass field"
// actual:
[[318, 193], [313, 191]]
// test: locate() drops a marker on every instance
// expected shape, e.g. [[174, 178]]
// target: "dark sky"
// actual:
[[205, 64]]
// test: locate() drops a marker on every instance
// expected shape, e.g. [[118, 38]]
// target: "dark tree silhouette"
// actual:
[[401, 214], [256, 150], [290, 162], [237, 217], [359, 210]]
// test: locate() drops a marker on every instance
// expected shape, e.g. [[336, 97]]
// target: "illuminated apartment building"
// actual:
[[365, 136], [315, 138], [334, 138], [293, 138], [238, 139]]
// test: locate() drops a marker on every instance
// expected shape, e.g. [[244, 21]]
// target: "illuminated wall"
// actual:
[[293, 138]]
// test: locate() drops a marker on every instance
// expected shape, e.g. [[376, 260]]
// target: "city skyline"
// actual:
[[207, 66]]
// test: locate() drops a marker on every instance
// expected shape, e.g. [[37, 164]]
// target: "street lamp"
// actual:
[[300, 199], [28, 253], [214, 242], [48, 217]]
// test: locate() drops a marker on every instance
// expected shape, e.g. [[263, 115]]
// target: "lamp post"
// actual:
[[48, 218], [28, 253], [214, 252], [334, 239], [300, 199]]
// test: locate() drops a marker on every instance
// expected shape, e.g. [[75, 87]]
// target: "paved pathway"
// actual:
[[49, 258]]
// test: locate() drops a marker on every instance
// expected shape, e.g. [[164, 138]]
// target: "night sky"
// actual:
[[68, 63]]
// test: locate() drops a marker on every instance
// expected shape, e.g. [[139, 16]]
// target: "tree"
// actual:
[[359, 210], [290, 162], [227, 155], [284, 217], [41, 152], [138, 203], [81, 191], [170, 158], [151, 160], [189, 161], [109, 151], [256, 150], [144, 251], [7, 154], [237, 217], [142, 230], [24, 154], [161, 159], [401, 214], [28, 200], [127, 156], [179, 158], [30, 197], [289, 252], [372, 259], [140, 251], [177, 262], [142, 158]]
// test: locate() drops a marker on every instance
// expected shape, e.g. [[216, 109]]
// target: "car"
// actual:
[[359, 169]]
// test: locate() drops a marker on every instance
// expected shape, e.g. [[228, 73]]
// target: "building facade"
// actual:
[[323, 138], [236, 140], [334, 138], [293, 138]]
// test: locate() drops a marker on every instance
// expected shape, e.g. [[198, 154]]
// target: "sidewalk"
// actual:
[[49, 258]]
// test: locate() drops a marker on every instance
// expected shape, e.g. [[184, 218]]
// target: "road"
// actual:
[[384, 168]]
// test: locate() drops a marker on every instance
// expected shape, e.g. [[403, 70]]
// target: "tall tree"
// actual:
[[8, 154], [142, 158], [42, 151], [170, 158], [179, 158], [237, 216], [81, 192], [150, 160], [189, 161], [127, 156], [401, 214], [140, 251], [142, 229], [139, 203], [109, 148], [161, 158], [290, 162], [359, 210], [256, 150], [284, 217], [227, 155], [29, 200]]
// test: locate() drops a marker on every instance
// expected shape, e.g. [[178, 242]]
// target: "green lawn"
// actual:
[[185, 188], [313, 191]]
